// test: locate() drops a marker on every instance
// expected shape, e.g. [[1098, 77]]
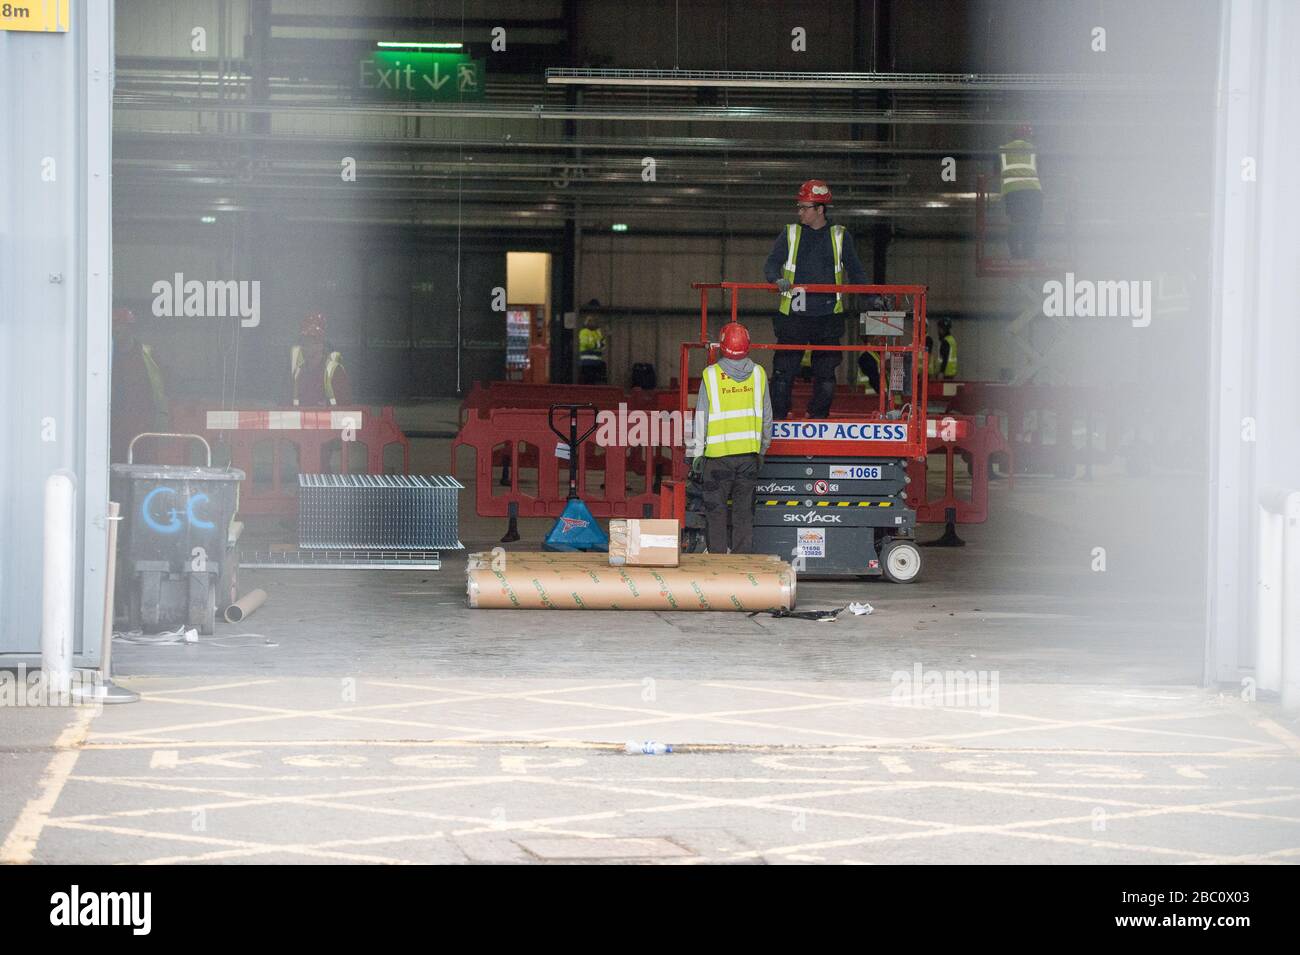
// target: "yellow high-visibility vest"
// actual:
[[735, 412], [948, 370], [333, 362], [1019, 166], [792, 252], [591, 345]]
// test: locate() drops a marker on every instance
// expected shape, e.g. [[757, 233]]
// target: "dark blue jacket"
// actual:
[[816, 266]]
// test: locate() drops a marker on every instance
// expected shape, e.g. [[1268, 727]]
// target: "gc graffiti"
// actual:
[[163, 514]]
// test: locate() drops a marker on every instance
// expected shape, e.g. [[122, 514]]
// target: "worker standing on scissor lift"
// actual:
[[1022, 193], [810, 252]]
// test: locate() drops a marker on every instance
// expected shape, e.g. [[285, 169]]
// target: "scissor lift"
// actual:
[[831, 496]]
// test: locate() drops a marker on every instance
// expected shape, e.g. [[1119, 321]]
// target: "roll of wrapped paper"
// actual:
[[726, 582]]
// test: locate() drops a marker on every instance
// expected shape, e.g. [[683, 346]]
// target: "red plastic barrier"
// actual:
[[480, 400], [293, 451], [1029, 413], [970, 439], [513, 426]]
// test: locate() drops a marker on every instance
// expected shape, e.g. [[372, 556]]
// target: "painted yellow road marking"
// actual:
[[20, 845]]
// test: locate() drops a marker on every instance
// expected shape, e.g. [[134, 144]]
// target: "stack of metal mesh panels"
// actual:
[[408, 512]]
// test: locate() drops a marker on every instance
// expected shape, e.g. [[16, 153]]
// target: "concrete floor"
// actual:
[[372, 717]]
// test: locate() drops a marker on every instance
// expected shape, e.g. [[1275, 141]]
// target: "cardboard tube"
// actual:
[[245, 605], [596, 586]]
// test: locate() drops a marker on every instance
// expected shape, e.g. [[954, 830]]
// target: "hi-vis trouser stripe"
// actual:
[[829, 503]]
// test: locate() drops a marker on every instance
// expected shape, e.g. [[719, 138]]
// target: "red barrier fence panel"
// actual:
[[518, 436], [545, 494], [972, 440], [299, 440], [1033, 414]]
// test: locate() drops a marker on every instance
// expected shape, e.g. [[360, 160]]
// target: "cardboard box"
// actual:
[[643, 543]]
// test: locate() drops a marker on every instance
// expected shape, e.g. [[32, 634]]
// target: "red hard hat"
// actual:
[[814, 190], [313, 326], [123, 316], [735, 340], [1024, 131]]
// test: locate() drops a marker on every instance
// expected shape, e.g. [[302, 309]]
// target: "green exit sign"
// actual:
[[415, 75]]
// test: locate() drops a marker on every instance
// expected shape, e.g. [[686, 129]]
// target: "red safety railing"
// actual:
[[912, 444]]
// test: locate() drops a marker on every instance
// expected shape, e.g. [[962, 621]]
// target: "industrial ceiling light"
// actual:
[[208, 220], [619, 227], [412, 45], [779, 79]]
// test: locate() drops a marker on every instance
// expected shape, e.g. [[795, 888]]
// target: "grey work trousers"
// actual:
[[732, 476]]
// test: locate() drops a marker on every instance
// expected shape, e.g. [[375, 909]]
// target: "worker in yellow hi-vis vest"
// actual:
[[319, 377], [137, 395], [943, 360], [812, 251], [591, 353], [732, 431], [1022, 193]]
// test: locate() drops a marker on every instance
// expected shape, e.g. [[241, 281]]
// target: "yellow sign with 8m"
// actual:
[[37, 16]]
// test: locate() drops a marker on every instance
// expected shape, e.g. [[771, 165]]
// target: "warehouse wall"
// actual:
[[390, 297]]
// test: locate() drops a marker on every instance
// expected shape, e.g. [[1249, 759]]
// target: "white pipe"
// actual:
[[1268, 606], [59, 583], [110, 580], [1291, 604], [1279, 595]]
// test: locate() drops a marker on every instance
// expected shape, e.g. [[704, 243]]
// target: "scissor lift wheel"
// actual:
[[900, 561]]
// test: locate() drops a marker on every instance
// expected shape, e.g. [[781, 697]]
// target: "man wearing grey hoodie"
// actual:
[[727, 458]]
